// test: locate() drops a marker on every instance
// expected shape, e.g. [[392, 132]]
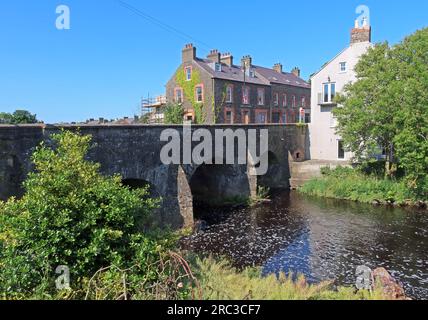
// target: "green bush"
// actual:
[[69, 215]]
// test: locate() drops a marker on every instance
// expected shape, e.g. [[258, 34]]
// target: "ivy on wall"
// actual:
[[188, 87]]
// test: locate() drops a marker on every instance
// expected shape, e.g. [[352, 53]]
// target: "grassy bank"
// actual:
[[354, 185]]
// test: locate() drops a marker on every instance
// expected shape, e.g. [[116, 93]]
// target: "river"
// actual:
[[323, 239]]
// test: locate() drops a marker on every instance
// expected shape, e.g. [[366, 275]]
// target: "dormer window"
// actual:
[[217, 67], [188, 71], [343, 67], [252, 74]]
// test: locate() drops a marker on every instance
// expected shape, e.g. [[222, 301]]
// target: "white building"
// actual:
[[326, 83]]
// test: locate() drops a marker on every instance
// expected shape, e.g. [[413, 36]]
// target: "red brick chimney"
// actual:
[[361, 33]]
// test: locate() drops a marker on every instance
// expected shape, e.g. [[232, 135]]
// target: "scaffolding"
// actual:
[[153, 108]]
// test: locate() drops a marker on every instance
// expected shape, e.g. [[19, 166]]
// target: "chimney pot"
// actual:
[[214, 56]]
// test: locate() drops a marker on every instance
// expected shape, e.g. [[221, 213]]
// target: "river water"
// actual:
[[320, 238]]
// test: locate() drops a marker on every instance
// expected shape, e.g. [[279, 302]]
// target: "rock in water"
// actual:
[[391, 288]]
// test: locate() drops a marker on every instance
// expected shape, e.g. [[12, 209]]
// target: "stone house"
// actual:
[[215, 90]]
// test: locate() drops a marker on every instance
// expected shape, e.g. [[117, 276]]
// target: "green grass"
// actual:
[[221, 282], [352, 184]]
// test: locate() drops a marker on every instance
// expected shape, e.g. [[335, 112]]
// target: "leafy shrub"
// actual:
[[70, 215]]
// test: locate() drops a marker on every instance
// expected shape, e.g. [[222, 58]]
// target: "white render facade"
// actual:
[[325, 84]]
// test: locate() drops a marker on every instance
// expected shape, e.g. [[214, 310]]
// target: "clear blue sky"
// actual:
[[111, 57]]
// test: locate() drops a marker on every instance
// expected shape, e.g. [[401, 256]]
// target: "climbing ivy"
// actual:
[[188, 87]]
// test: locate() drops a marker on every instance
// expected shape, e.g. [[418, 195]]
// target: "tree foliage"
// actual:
[[387, 108], [69, 215], [173, 114], [18, 117]]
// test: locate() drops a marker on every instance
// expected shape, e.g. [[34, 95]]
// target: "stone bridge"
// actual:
[[133, 151]]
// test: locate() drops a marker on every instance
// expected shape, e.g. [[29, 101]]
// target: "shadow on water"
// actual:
[[320, 238]]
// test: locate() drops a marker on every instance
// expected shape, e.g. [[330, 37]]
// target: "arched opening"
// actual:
[[273, 176], [139, 184], [216, 186]]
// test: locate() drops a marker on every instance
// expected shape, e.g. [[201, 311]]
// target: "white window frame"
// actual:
[[261, 102], [187, 73], [229, 94], [341, 64], [217, 67], [329, 84]]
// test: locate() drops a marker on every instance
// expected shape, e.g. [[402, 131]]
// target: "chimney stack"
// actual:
[[214, 56], [361, 33], [188, 53], [296, 72], [277, 67], [227, 59], [246, 62]]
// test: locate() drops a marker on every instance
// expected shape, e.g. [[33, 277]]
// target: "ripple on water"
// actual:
[[324, 240]]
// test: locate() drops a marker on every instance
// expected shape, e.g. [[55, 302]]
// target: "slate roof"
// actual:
[[263, 76]]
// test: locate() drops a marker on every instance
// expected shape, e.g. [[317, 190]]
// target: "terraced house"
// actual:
[[215, 90]]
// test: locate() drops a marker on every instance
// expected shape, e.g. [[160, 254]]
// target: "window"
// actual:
[[276, 99], [229, 94], [294, 102], [178, 94], [228, 116], [245, 116], [340, 150], [307, 117], [261, 117], [304, 102], [261, 97], [343, 67], [284, 100], [199, 93], [188, 71], [284, 118], [329, 92], [246, 95], [275, 117], [218, 67]]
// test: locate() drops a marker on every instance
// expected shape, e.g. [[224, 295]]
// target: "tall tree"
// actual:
[[18, 117]]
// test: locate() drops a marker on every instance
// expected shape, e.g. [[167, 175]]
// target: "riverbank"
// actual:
[[353, 185]]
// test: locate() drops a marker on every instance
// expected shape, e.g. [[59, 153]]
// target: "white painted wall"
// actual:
[[324, 140]]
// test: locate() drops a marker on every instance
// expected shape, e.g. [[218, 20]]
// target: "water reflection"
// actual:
[[323, 239]]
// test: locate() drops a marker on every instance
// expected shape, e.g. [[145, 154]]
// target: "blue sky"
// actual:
[[111, 57]]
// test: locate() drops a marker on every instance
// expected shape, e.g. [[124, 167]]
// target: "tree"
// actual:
[[69, 215], [18, 117], [173, 114], [387, 107]]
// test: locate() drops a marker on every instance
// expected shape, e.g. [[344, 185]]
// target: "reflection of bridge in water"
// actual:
[[134, 152]]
